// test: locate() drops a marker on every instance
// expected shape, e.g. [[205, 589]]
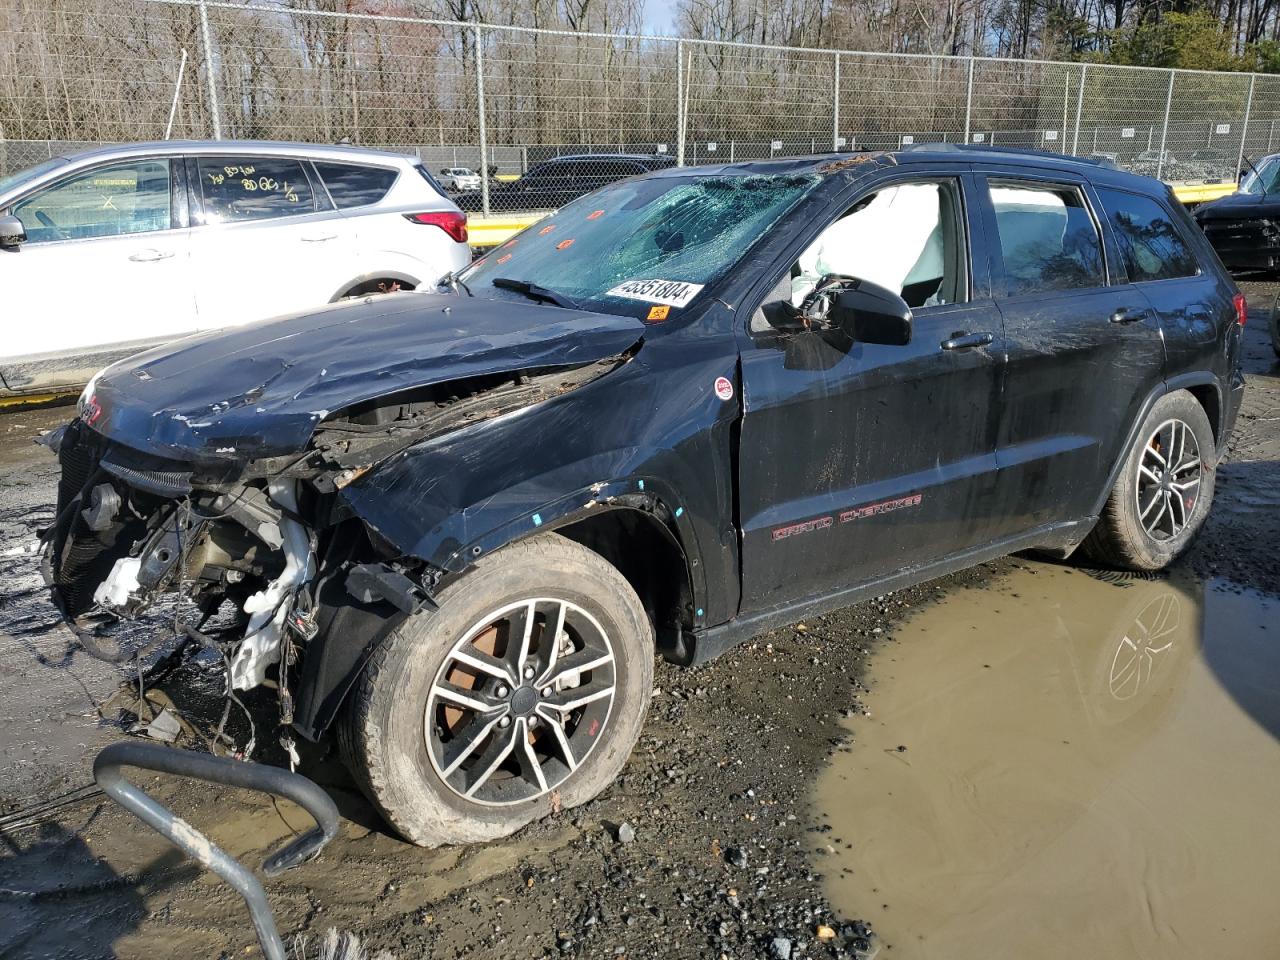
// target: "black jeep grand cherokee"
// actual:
[[688, 408]]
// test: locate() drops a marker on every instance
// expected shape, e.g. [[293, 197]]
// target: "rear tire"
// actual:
[[1156, 507], [422, 758]]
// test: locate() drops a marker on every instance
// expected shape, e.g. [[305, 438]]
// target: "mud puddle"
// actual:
[[1060, 766]]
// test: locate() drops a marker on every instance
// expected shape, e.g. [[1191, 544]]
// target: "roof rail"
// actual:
[[1012, 151]]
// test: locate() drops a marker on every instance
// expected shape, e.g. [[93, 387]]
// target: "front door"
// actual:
[[106, 261], [859, 462], [1084, 348]]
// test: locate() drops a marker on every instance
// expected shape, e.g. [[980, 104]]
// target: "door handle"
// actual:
[[319, 237], [962, 341], [150, 256], [1126, 315]]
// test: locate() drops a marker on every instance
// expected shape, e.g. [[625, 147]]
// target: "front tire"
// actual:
[[524, 693], [1163, 493]]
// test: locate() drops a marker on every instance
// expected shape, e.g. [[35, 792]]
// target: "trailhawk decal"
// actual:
[[848, 516], [674, 293]]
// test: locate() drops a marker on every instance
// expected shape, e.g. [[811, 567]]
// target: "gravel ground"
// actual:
[[705, 847]]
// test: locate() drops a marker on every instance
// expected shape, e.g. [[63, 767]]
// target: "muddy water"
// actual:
[[1091, 769]]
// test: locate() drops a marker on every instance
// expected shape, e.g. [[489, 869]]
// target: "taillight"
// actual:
[[1242, 308], [454, 224]]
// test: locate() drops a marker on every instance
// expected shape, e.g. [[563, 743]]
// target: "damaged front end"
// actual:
[[252, 555]]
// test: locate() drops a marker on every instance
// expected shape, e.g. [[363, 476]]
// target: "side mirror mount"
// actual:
[[12, 233], [870, 313]]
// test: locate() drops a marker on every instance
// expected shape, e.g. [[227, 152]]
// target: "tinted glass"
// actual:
[[641, 243], [111, 201], [1047, 237], [548, 172], [1150, 244], [352, 186], [253, 188]]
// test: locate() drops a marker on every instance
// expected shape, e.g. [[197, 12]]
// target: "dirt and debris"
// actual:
[[727, 855]]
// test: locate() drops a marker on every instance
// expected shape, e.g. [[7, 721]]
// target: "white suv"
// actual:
[[106, 252], [459, 178]]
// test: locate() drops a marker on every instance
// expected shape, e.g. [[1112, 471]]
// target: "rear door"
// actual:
[[858, 462], [1157, 241], [267, 240], [1083, 346]]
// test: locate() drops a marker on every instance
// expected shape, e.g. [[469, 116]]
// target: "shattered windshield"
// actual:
[[642, 248]]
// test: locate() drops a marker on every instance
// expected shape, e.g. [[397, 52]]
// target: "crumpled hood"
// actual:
[[259, 390], [1239, 205]]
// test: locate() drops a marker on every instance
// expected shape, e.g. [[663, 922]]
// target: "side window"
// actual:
[[610, 170], [907, 237], [352, 186], [236, 189], [1047, 238], [110, 201], [546, 174], [1149, 242]]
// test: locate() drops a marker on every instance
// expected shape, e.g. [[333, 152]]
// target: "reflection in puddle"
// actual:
[[1091, 769]]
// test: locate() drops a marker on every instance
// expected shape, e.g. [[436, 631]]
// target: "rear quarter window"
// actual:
[[1151, 245], [355, 186]]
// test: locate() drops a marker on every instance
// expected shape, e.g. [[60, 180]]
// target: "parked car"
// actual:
[[554, 183], [106, 252], [1245, 227], [459, 179], [689, 408]]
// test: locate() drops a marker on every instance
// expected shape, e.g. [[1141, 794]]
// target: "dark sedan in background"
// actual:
[[550, 185], [1244, 227]]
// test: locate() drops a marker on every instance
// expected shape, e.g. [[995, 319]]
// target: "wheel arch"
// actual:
[[1202, 385], [355, 283], [632, 528]]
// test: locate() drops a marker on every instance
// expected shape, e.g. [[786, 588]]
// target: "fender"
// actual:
[[473, 490]]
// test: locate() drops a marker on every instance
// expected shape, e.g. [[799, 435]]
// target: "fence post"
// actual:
[[1075, 137], [484, 132], [208, 67], [1244, 133], [968, 103], [679, 103], [835, 113], [1164, 132]]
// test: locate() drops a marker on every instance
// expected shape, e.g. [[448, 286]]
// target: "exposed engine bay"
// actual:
[[238, 555]]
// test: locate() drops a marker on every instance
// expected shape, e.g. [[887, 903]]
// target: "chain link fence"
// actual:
[[506, 102]]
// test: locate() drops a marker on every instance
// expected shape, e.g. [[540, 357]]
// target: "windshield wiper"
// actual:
[[535, 292]]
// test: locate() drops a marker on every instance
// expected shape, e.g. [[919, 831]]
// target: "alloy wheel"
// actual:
[[1168, 483], [520, 701]]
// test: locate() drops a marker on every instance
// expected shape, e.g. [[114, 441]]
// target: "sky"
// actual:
[[659, 16]]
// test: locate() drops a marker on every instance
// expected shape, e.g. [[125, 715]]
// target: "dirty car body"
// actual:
[[740, 458]]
